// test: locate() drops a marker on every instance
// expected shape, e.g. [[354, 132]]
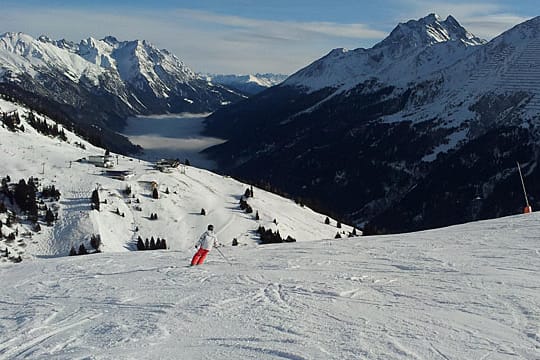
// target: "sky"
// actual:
[[249, 36]]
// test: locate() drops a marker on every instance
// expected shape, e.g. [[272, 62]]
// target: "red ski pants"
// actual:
[[199, 257]]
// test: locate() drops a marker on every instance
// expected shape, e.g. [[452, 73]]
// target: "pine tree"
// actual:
[[327, 221], [140, 244], [72, 252], [95, 241], [338, 236], [163, 244], [95, 199], [146, 244], [155, 193], [82, 250], [49, 217], [203, 212], [339, 225], [257, 217], [152, 244]]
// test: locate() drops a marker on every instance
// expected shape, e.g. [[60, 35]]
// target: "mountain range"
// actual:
[[96, 84], [422, 130], [249, 84]]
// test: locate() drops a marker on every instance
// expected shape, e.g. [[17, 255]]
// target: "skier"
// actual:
[[205, 243]]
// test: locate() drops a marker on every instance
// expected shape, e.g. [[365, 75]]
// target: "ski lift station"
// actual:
[[105, 161]]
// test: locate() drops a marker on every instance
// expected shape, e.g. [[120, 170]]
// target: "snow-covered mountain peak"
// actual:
[[21, 53], [428, 31], [111, 40], [248, 84], [422, 46], [16, 42]]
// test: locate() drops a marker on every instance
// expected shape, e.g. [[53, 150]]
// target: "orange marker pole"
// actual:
[[527, 208]]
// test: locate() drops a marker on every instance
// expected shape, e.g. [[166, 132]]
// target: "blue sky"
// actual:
[[247, 36]]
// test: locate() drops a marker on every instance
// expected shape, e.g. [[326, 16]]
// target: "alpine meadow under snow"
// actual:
[[469, 291]]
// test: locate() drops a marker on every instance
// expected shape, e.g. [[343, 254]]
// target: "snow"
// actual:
[[21, 53], [264, 80], [464, 292], [453, 141], [423, 47], [180, 223]]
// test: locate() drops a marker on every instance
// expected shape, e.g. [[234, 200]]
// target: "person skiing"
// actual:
[[205, 243]]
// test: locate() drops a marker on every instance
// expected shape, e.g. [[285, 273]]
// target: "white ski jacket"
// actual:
[[207, 240]]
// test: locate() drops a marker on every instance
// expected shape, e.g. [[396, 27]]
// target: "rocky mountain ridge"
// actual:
[[364, 132]]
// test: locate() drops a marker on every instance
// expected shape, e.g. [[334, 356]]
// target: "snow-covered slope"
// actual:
[[183, 193], [465, 292]]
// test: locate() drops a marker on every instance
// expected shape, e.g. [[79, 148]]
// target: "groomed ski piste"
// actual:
[[464, 292], [470, 291]]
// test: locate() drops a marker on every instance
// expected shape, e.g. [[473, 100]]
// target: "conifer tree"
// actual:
[[155, 193], [95, 199], [95, 241], [72, 252], [49, 217], [140, 244], [327, 221], [82, 250]]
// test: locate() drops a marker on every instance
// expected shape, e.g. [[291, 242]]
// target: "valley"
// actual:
[[171, 137]]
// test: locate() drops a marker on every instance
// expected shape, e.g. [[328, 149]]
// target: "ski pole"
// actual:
[[219, 251]]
